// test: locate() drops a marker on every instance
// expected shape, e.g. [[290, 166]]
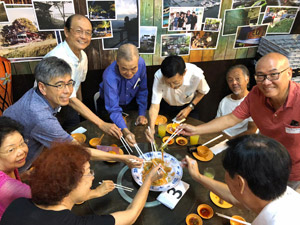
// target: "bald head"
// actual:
[[70, 19], [127, 52], [274, 58]]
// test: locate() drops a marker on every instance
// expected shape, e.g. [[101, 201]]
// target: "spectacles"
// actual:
[[90, 174], [15, 148], [80, 32], [270, 77], [62, 85]]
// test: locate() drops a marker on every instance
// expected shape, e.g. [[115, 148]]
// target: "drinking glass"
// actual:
[[194, 139], [209, 172], [162, 128]]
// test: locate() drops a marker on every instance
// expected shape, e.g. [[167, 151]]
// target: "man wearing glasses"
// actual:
[[78, 32], [37, 108], [273, 105]]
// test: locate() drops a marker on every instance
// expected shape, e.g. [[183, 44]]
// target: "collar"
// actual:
[[53, 110], [70, 53]]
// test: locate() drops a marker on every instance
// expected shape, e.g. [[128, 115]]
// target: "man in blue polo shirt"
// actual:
[[124, 87]]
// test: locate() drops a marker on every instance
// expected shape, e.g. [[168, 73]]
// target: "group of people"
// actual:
[[258, 168], [183, 21]]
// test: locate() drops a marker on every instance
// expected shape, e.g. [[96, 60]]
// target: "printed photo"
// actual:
[[51, 15], [212, 24], [211, 8], [101, 29], [280, 19], [263, 3], [101, 10], [147, 39], [249, 36], [239, 17], [185, 18], [125, 28], [18, 2], [175, 44], [3, 14], [202, 40], [20, 39]]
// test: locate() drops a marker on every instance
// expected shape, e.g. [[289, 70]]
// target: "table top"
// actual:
[[154, 212]]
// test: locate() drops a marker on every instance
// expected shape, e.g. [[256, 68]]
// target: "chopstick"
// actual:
[[230, 218], [121, 187], [139, 151], [171, 137], [126, 145], [206, 143]]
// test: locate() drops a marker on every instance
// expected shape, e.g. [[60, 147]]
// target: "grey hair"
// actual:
[[239, 66], [127, 52], [51, 67]]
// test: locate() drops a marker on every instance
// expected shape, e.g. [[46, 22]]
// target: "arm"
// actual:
[[103, 189], [251, 129], [108, 128], [153, 112]]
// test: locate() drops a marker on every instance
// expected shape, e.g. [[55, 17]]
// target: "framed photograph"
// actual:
[[101, 10], [19, 2], [101, 29], [239, 17], [175, 44], [263, 3], [280, 19], [147, 39], [3, 13], [125, 29], [211, 8], [204, 40], [51, 15], [249, 36], [185, 18], [25, 44], [212, 24]]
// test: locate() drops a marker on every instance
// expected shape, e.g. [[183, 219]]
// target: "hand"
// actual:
[[130, 138], [133, 161], [106, 187], [155, 174], [188, 130], [192, 166], [141, 120], [149, 133], [111, 129], [183, 113]]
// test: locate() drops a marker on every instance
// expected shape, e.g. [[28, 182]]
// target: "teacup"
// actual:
[[203, 151]]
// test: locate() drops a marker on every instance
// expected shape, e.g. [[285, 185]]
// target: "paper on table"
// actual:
[[219, 147], [79, 130], [178, 121], [171, 197]]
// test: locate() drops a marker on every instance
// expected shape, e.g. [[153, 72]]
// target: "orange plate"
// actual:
[[95, 141], [204, 159], [120, 152], [161, 119], [181, 139], [166, 138], [171, 127], [216, 200], [79, 137], [232, 222], [209, 211], [194, 216]]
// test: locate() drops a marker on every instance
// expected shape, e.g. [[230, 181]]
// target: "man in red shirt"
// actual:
[[273, 104]]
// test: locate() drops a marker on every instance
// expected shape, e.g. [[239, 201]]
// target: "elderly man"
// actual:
[[252, 180], [237, 79], [124, 87], [273, 105], [78, 32], [177, 89], [37, 108]]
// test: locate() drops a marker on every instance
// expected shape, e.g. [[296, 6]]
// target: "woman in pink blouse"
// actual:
[[13, 152]]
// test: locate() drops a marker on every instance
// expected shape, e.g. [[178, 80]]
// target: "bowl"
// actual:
[[79, 137], [205, 211], [171, 127], [193, 219], [232, 222], [181, 141], [166, 138], [95, 141], [203, 151]]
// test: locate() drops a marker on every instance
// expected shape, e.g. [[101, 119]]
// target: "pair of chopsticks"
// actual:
[[153, 147], [206, 143], [177, 131], [126, 145], [121, 187], [230, 218]]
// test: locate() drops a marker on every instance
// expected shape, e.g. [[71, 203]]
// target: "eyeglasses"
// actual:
[[90, 174], [15, 148], [270, 77], [80, 32], [62, 85]]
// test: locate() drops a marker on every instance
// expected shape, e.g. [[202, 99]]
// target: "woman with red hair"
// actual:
[[62, 178]]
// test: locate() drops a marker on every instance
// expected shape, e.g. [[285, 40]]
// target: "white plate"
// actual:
[[172, 180]]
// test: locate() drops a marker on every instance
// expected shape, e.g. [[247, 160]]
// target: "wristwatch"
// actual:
[[192, 106]]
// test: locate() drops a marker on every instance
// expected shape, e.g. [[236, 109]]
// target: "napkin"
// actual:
[[219, 147], [171, 197], [79, 130]]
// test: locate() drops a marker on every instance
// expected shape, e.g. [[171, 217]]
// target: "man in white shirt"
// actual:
[[257, 170], [78, 32], [237, 79], [180, 86]]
